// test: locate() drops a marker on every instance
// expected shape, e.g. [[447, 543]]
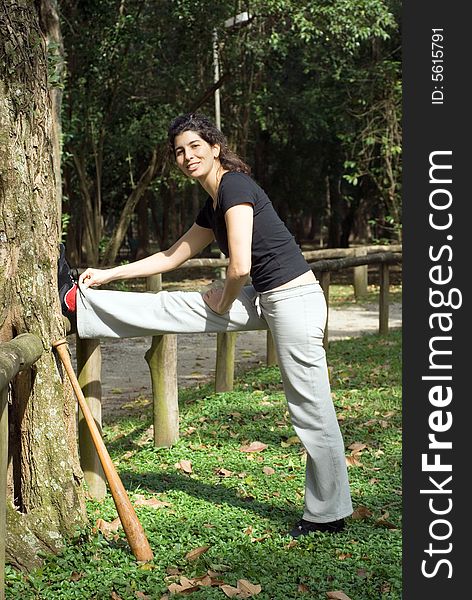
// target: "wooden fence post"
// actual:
[[162, 361], [225, 350], [324, 280], [360, 276], [384, 298], [154, 283], [3, 483], [89, 369], [270, 349]]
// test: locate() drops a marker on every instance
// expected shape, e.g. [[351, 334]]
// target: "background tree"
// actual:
[[46, 500]]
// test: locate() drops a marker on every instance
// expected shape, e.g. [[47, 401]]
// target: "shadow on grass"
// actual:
[[217, 494]]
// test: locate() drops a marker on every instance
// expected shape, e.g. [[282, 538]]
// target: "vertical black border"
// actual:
[[428, 128]]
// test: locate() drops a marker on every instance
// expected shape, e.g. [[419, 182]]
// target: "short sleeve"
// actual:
[[236, 188], [204, 216]]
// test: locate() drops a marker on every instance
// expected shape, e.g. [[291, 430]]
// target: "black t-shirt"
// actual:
[[276, 257]]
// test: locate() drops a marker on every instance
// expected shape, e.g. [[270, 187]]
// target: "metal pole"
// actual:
[[216, 78]]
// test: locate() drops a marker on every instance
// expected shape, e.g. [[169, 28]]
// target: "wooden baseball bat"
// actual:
[[132, 527]]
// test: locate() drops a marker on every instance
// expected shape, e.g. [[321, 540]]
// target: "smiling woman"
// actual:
[[284, 297]]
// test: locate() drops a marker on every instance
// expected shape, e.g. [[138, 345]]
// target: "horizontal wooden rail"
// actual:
[[15, 356], [310, 256], [337, 264], [18, 354]]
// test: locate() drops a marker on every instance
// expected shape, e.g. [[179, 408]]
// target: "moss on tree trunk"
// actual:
[[45, 497]]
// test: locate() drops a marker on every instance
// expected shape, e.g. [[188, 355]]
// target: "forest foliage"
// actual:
[[310, 97]]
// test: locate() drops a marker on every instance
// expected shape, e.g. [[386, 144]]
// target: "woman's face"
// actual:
[[195, 157]]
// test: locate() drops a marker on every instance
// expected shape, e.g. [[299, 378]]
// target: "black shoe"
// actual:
[[67, 280], [305, 527]]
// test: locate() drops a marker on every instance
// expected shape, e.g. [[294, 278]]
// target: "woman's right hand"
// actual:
[[95, 277]]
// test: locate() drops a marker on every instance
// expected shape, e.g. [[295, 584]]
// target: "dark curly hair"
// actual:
[[211, 134]]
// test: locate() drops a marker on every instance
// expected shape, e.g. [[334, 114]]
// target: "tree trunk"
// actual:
[[88, 213], [143, 227], [45, 498], [335, 213], [145, 180]]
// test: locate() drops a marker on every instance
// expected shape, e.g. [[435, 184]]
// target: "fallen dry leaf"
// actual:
[[224, 472], [186, 586], [141, 500], [247, 589], [215, 578], [175, 588], [338, 595], [229, 590], [352, 461], [76, 576], [303, 589], [114, 596], [107, 528], [361, 512], [261, 538], [357, 447], [204, 581], [196, 552], [184, 465], [383, 522], [253, 447], [142, 596], [185, 582], [268, 470]]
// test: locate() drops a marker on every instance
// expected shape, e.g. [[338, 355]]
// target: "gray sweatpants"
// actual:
[[296, 317]]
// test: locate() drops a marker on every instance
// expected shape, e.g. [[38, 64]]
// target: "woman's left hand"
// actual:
[[213, 298]]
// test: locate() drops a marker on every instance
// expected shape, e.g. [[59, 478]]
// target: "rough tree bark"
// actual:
[[45, 497]]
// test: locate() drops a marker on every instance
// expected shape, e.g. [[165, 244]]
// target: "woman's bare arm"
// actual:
[[239, 223], [190, 244]]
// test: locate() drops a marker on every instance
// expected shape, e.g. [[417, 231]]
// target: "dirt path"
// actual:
[[126, 384]]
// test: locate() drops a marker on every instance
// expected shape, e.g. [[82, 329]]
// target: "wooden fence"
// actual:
[[162, 355], [15, 356]]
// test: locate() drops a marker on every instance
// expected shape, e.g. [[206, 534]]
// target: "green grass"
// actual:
[[342, 296], [243, 517]]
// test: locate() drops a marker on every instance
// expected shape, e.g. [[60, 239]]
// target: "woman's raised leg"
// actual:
[[114, 314]]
